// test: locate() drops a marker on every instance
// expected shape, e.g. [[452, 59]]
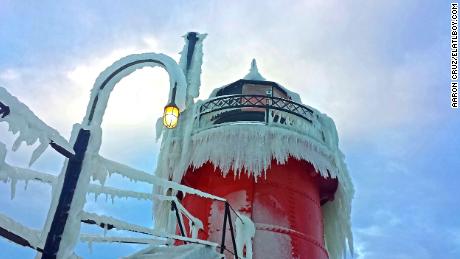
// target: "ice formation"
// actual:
[[254, 72], [10, 225], [14, 174], [254, 75], [111, 167], [189, 251], [245, 231], [192, 71], [21, 119]]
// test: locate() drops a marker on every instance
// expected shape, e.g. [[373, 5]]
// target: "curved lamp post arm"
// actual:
[[107, 80]]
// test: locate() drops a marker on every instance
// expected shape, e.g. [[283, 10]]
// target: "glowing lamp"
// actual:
[[171, 112], [171, 116]]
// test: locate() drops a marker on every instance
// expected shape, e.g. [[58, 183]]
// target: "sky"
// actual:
[[380, 69]]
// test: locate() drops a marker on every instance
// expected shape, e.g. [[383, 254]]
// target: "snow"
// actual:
[[193, 73], [245, 231], [189, 251], [254, 72], [30, 128]]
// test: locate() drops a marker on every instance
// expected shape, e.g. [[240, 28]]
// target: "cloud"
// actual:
[[9, 75]]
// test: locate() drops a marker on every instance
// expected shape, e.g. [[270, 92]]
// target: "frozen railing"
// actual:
[[264, 109], [30, 129], [110, 167], [25, 236]]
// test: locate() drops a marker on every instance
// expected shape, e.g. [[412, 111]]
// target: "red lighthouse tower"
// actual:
[[276, 161]]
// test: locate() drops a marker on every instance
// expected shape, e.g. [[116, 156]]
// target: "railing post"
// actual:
[[174, 207], [227, 210], [267, 104], [222, 244], [199, 117]]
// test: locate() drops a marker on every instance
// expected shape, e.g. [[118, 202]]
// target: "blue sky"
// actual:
[[379, 68]]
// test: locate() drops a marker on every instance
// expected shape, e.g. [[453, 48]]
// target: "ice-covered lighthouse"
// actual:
[[273, 158]]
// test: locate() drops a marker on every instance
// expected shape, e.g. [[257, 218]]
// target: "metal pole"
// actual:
[[222, 245], [4, 110], [227, 210], [174, 207], [71, 177], [267, 104]]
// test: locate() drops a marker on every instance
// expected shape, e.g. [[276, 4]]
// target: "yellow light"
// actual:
[[171, 116]]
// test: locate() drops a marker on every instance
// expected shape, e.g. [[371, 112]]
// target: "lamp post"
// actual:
[[63, 222]]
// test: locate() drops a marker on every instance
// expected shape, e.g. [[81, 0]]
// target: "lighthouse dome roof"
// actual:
[[255, 83]]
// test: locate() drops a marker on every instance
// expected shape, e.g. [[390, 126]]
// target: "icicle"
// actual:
[[193, 229], [2, 154], [13, 187], [26, 183], [17, 143], [90, 246], [38, 151], [159, 127], [172, 222], [245, 231]]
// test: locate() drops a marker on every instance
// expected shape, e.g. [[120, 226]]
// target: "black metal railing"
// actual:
[[227, 220], [265, 102]]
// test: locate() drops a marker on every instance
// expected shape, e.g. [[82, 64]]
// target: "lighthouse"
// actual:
[[274, 159]]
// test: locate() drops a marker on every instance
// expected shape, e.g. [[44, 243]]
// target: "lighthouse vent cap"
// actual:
[[254, 72]]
